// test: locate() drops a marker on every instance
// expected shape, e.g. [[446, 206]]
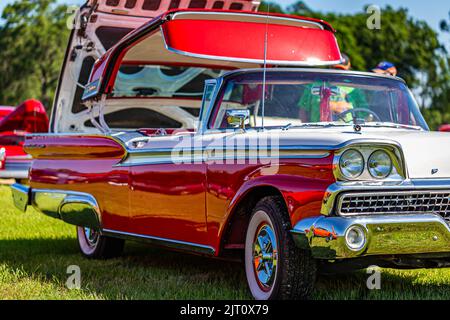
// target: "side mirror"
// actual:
[[238, 118]]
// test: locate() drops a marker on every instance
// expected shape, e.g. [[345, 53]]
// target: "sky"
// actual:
[[432, 11]]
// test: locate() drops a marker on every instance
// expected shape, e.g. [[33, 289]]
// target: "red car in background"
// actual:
[[15, 123], [445, 128]]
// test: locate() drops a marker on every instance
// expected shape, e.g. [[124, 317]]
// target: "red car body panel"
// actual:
[[96, 174], [445, 128], [5, 110], [314, 45], [15, 123]]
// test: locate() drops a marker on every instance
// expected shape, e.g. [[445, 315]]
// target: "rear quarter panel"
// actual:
[[83, 164]]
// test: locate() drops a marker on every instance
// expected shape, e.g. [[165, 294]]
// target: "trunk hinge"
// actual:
[[97, 108]]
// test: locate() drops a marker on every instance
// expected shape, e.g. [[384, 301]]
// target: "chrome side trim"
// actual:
[[21, 196], [386, 235], [254, 61], [169, 243], [338, 188], [200, 155], [263, 18]]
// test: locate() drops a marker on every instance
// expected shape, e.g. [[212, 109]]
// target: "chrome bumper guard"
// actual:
[[384, 235], [77, 208]]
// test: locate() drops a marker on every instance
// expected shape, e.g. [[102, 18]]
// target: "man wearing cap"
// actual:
[[386, 67]]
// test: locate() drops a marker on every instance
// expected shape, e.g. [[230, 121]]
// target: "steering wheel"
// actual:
[[354, 111]]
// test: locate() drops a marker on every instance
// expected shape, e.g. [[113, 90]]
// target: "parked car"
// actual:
[[171, 204], [294, 168], [15, 123], [445, 128]]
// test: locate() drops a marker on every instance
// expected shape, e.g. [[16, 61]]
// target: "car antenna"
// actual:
[[266, 40]]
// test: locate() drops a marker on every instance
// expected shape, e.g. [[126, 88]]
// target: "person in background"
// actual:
[[348, 98], [386, 67]]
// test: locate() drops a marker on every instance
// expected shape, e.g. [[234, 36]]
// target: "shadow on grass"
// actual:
[[143, 272], [146, 272]]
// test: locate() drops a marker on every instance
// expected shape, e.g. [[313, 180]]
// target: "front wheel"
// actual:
[[275, 267], [96, 246]]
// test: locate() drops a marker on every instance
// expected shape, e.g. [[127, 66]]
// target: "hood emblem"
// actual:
[[434, 171]]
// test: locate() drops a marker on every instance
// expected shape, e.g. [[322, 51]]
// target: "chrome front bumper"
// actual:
[[77, 208], [385, 235]]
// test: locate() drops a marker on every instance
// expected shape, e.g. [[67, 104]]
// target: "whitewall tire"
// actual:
[[274, 266], [94, 245]]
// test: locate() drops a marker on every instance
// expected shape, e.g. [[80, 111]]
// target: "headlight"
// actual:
[[380, 164], [351, 164]]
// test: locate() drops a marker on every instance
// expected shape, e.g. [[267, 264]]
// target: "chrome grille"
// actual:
[[414, 202]]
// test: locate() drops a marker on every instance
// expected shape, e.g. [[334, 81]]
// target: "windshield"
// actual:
[[308, 99]]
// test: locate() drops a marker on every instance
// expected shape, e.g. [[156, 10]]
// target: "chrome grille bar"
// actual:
[[395, 202]]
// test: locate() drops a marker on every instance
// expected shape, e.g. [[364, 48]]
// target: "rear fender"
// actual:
[[72, 147]]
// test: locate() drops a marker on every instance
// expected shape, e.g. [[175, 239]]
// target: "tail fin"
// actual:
[[30, 117]]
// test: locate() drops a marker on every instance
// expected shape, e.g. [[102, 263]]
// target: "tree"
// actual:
[[271, 7], [33, 38]]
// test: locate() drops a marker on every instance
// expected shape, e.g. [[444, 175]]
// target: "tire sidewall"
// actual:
[[259, 217]]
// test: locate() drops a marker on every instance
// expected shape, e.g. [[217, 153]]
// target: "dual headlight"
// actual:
[[352, 164]]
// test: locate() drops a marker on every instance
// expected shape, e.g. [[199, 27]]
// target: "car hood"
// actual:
[[427, 154]]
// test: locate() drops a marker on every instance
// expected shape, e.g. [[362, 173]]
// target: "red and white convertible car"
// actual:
[[182, 140]]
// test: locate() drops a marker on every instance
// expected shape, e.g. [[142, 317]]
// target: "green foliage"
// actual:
[[33, 38], [270, 7]]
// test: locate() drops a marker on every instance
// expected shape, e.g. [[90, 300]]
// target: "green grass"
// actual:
[[35, 252]]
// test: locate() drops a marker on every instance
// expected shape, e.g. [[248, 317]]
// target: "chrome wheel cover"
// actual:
[[91, 236], [265, 256]]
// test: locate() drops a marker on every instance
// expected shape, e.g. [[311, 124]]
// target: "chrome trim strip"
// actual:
[[20, 158], [13, 174], [385, 235], [262, 17], [255, 61], [282, 147], [203, 155], [174, 244]]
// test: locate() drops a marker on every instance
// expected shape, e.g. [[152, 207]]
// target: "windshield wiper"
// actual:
[[391, 125], [316, 125]]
